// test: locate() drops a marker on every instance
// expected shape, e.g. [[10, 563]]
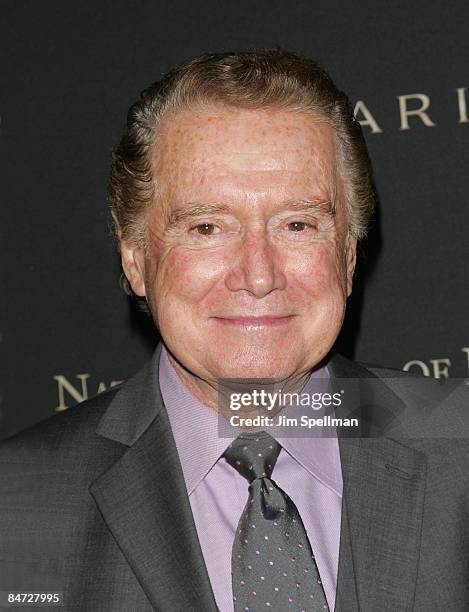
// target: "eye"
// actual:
[[206, 229], [298, 226]]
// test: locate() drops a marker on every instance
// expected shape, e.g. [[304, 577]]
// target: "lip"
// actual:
[[250, 321]]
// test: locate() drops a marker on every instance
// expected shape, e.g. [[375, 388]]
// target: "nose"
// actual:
[[256, 268]]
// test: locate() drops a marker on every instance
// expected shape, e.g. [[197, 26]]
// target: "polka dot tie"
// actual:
[[273, 567]]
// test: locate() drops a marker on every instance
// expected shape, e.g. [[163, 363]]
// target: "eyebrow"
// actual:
[[327, 207], [179, 215]]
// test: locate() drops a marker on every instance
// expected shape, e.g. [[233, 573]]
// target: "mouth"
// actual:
[[254, 322]]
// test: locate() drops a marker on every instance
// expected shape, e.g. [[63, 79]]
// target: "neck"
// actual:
[[209, 392]]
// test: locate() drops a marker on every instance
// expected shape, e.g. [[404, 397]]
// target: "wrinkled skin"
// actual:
[[247, 268]]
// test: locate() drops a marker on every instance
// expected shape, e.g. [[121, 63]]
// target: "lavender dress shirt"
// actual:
[[307, 469]]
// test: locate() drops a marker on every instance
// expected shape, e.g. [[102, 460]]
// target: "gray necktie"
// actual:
[[273, 567]]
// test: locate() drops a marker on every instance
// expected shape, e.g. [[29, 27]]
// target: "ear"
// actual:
[[133, 264], [351, 259]]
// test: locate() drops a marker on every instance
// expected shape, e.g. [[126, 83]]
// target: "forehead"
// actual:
[[212, 152]]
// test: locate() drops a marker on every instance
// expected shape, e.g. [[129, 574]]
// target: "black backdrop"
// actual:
[[69, 72]]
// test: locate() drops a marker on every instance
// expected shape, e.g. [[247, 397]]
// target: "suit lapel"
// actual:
[[144, 502], [383, 495]]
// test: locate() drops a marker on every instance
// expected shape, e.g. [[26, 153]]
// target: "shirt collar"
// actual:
[[194, 426], [195, 431]]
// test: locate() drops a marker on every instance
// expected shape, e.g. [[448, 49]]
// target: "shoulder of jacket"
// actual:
[[64, 434]]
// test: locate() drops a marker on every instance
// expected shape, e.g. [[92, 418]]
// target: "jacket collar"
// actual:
[[383, 496], [143, 499]]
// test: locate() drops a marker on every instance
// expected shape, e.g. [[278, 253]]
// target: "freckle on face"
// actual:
[[251, 162]]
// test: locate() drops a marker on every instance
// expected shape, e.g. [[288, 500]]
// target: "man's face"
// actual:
[[246, 272]]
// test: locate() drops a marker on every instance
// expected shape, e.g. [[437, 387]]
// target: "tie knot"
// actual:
[[253, 455]]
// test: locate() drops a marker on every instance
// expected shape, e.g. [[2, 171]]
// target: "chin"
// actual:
[[256, 367]]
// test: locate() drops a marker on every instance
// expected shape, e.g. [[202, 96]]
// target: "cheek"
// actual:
[[187, 275], [317, 273]]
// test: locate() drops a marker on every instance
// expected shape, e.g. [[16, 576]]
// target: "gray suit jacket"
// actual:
[[93, 503]]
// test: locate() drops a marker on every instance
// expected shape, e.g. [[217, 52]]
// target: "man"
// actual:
[[239, 191]]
